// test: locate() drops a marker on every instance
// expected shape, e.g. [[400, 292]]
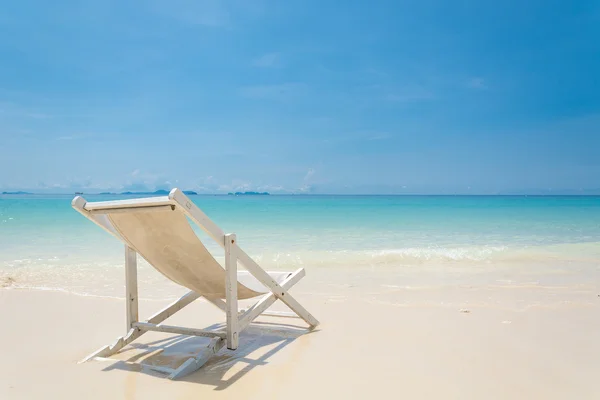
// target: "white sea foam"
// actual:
[[104, 276], [473, 255]]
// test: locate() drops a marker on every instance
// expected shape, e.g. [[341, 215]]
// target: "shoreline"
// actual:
[[359, 281]]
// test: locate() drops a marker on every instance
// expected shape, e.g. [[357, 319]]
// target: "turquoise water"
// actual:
[[44, 242]]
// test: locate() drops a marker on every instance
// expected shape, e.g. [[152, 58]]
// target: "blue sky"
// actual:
[[300, 96]]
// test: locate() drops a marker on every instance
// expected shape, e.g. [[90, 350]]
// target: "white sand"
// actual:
[[376, 340]]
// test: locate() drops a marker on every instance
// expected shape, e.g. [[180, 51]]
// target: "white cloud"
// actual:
[[243, 186], [269, 60], [75, 136], [304, 189], [271, 188], [309, 174], [141, 181], [477, 83], [235, 186]]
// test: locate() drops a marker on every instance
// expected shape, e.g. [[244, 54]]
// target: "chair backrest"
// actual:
[[163, 236]]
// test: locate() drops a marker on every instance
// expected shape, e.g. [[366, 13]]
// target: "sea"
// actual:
[[396, 240]]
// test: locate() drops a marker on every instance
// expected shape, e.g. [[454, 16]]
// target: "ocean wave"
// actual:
[[580, 252]]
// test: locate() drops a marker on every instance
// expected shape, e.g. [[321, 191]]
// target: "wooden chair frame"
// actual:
[[236, 321]]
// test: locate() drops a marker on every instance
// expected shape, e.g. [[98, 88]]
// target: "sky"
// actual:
[[378, 97]]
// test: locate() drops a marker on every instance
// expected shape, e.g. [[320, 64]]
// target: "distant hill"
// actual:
[[249, 194], [16, 193]]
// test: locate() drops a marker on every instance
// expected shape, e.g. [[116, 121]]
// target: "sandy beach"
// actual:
[[376, 339], [417, 181]]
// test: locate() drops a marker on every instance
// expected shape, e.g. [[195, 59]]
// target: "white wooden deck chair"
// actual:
[[158, 230]]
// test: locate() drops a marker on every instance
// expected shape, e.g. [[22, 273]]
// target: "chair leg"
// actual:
[[135, 333], [276, 288], [131, 286], [114, 348], [268, 299], [231, 291]]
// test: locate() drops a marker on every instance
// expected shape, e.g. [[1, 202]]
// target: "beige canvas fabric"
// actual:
[[166, 240]]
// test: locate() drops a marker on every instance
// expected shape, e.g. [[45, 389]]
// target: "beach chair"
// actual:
[[158, 230]]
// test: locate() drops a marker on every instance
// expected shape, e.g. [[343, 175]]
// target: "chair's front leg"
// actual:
[[231, 291], [131, 287]]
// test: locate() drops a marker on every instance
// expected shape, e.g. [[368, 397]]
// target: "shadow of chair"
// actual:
[[257, 345]]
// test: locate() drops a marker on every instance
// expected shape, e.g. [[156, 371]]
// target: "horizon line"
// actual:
[[16, 193]]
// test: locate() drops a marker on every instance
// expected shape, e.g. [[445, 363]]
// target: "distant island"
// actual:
[[249, 194], [16, 193], [158, 192], [161, 192]]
